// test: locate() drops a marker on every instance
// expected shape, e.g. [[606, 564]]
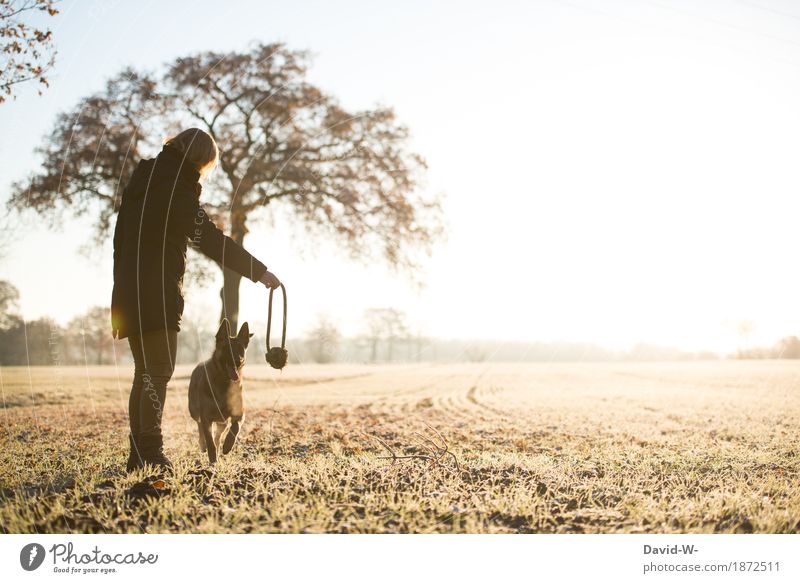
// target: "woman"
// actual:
[[159, 216]]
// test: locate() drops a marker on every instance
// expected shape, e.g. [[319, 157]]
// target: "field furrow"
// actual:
[[483, 447]]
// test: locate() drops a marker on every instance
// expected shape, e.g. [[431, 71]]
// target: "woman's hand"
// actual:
[[269, 280]]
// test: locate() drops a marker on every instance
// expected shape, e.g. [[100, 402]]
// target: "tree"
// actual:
[[323, 340], [91, 153], [28, 343], [12, 332], [387, 325], [91, 335], [788, 347], [26, 52], [197, 333], [9, 304], [285, 146], [475, 353]]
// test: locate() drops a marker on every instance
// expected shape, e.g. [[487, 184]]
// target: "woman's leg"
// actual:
[[134, 457], [135, 344], [158, 351]]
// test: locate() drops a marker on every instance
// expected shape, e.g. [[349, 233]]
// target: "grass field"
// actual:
[[556, 448]]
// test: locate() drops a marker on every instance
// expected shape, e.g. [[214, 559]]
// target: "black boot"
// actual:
[[151, 407], [134, 459], [152, 452]]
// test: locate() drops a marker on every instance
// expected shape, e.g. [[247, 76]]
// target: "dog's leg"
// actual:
[[205, 427], [202, 436], [233, 431], [219, 428]]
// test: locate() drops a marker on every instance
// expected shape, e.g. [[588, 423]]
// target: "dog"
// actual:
[[215, 391]]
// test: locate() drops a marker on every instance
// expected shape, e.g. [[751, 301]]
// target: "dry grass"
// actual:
[[690, 447]]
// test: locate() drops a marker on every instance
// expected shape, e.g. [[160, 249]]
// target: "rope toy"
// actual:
[[277, 355]]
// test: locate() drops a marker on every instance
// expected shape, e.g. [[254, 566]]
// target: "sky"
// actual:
[[613, 172]]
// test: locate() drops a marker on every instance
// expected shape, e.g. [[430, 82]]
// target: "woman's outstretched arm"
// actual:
[[193, 221]]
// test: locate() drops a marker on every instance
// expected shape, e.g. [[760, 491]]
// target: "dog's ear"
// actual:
[[224, 331], [244, 334]]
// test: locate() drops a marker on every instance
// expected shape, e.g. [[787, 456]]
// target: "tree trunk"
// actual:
[[229, 294]]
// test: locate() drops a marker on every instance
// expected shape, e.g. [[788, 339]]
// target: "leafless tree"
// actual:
[[323, 340], [386, 325], [89, 334], [197, 334]]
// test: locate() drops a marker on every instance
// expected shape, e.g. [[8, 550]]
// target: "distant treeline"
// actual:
[[44, 342], [86, 341], [386, 337], [788, 347]]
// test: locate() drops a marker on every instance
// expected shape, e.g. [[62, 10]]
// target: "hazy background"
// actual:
[[615, 172]]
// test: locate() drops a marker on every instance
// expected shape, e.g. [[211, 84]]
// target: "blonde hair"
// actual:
[[198, 148]]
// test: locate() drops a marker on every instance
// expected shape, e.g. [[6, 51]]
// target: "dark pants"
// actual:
[[154, 359]]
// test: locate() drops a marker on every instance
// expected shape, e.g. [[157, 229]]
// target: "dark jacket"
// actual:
[[160, 214]]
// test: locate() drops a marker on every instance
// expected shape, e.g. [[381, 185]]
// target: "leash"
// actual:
[[277, 356]]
